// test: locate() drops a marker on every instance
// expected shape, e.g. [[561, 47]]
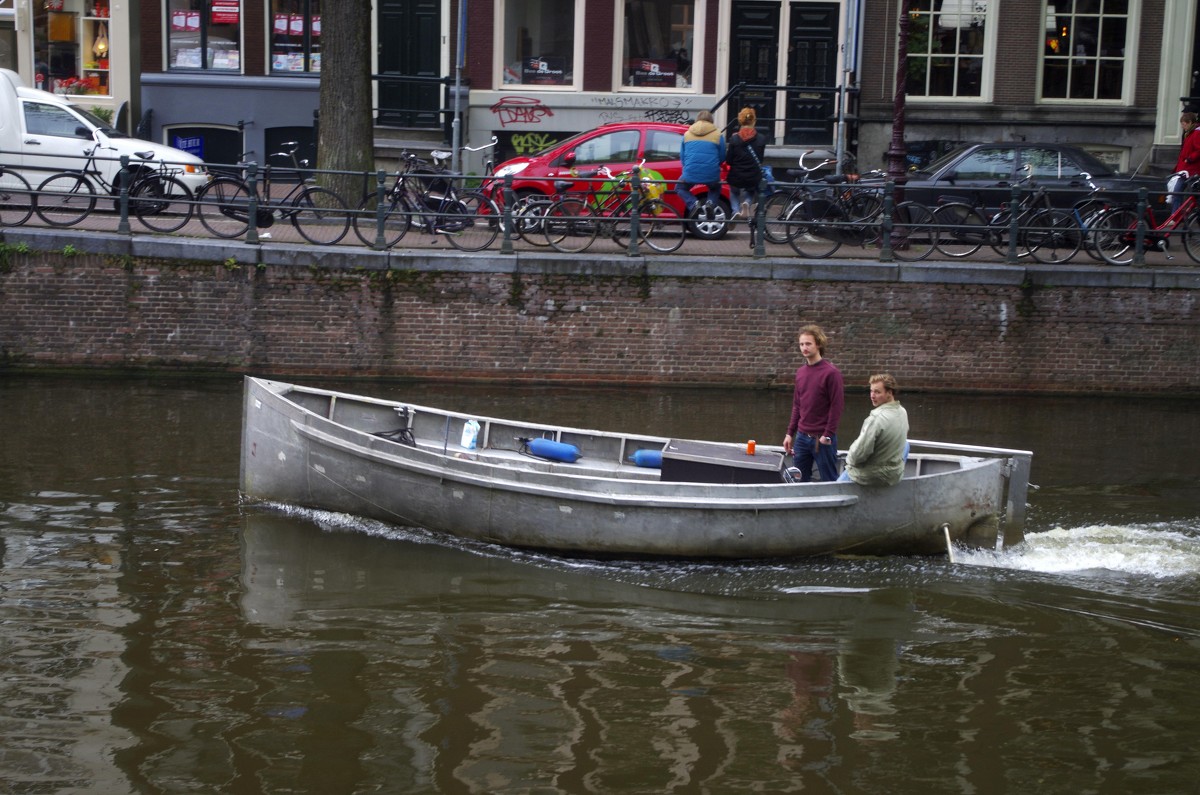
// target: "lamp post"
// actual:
[[896, 152]]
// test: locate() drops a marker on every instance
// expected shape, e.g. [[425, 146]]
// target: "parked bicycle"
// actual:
[[777, 206], [1115, 232], [16, 198], [572, 223], [318, 214], [159, 200], [426, 196], [821, 224]]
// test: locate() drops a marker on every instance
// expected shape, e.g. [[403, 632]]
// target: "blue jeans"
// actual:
[[806, 451], [684, 189]]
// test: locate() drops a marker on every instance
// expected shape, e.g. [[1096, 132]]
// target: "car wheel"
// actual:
[[711, 226]]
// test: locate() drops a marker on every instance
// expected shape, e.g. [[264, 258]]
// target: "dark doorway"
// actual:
[[812, 69], [811, 44], [410, 47], [754, 60]]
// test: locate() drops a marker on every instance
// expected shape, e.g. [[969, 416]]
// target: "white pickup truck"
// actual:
[[42, 133]]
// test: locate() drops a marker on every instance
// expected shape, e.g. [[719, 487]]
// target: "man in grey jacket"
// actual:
[[877, 456]]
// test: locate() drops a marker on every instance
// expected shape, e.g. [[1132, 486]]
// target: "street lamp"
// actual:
[[897, 151]]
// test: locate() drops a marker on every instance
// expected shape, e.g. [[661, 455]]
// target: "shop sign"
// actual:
[[226, 12], [545, 70], [651, 72]]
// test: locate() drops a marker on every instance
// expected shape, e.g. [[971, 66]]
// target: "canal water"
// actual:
[[158, 636]]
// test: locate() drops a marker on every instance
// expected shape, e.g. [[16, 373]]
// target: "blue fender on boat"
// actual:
[[555, 451], [647, 458]]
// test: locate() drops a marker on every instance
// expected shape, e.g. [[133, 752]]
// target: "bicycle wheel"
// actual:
[[224, 207], [16, 199], [396, 220], [162, 203], [775, 212], [659, 227], [1113, 235], [570, 225], [999, 231], [864, 208], [527, 215], [64, 199], [1052, 237], [962, 229], [812, 229], [914, 232], [1191, 236], [320, 216], [471, 222]]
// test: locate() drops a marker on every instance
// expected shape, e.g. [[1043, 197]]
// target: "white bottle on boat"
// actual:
[[470, 434]]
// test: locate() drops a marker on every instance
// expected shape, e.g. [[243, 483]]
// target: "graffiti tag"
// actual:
[[520, 110]]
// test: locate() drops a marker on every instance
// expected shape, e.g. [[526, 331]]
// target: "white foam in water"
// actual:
[[1148, 550]]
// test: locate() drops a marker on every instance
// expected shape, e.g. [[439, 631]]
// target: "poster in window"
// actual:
[[225, 12], [179, 21], [316, 26], [280, 25], [652, 72], [545, 70], [296, 25]]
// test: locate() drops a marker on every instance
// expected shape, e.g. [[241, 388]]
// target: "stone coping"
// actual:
[[685, 265]]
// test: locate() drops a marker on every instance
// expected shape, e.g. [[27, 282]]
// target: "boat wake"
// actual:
[[1162, 550]]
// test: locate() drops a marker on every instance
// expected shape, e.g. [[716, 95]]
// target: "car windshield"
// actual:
[[942, 161]]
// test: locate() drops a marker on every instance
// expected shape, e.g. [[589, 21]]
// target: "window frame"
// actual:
[[306, 46], [500, 66], [699, 26], [1133, 17], [169, 64], [987, 74]]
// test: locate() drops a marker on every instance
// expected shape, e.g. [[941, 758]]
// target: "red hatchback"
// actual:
[[619, 146]]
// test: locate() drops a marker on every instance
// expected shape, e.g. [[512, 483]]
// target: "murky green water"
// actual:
[[156, 636]]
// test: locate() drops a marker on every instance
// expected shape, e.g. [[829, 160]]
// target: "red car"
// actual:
[[619, 146]]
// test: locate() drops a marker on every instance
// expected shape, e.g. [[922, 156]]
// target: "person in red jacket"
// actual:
[[1188, 164]]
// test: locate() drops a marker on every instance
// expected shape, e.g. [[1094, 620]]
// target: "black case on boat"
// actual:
[[709, 462]]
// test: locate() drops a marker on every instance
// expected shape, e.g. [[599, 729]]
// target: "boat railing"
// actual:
[[1016, 475]]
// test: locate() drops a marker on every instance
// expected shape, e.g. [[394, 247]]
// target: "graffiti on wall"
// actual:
[[520, 110]]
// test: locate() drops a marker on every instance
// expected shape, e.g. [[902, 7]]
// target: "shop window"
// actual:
[[1084, 54], [295, 36], [204, 34], [539, 42], [71, 46], [658, 43]]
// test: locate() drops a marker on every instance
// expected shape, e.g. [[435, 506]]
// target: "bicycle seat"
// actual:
[[146, 155], [438, 154], [562, 185]]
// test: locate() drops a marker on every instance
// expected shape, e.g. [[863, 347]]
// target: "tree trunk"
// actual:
[[346, 138]]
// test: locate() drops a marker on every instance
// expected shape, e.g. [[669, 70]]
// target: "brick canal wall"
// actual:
[[161, 303]]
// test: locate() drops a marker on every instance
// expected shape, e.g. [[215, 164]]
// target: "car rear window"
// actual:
[[614, 147], [663, 145]]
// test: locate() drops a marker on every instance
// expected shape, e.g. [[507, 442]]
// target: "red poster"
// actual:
[[316, 26], [296, 25], [226, 12], [179, 20], [193, 21], [281, 24]]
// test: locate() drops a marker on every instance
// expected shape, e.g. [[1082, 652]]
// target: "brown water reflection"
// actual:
[[158, 637]]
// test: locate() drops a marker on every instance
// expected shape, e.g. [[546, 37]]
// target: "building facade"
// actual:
[[1108, 75], [232, 78]]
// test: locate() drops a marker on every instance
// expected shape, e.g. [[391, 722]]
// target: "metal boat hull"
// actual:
[[317, 448]]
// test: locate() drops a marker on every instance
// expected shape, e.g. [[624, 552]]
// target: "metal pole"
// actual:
[[896, 166], [456, 123]]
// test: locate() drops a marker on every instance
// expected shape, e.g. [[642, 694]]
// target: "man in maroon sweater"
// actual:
[[816, 409]]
